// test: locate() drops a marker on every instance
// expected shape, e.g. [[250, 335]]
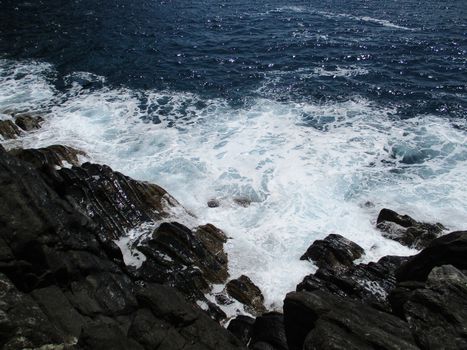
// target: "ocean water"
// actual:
[[319, 113]]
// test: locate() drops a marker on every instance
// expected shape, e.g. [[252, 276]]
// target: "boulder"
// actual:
[[334, 252], [320, 320], [450, 249], [268, 332], [246, 292], [406, 230], [241, 327], [436, 310]]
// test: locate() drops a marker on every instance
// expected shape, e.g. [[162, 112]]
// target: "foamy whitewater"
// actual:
[[308, 169]]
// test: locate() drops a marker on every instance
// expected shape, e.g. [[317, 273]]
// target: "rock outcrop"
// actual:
[[246, 292], [63, 282], [334, 251], [406, 230]]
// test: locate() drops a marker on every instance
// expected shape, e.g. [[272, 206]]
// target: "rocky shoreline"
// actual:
[[64, 283]]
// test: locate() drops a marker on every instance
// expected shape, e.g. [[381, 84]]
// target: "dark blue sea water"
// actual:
[[414, 51], [318, 112]]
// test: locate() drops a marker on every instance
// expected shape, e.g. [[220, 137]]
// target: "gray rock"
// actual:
[[334, 252], [246, 292], [320, 320], [406, 230]]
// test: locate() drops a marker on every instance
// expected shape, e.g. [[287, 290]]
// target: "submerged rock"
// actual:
[[29, 122], [246, 292], [334, 252], [406, 230]]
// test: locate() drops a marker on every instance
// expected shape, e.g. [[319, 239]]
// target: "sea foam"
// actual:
[[306, 169]]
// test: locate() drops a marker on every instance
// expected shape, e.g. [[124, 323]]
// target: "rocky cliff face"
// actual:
[[63, 282]]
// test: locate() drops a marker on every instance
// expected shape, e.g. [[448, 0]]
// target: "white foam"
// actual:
[[307, 168], [383, 22]]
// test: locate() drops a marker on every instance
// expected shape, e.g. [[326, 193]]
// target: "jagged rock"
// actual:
[[63, 287], [436, 310], [450, 249], [320, 320], [114, 201], [55, 155], [406, 230], [246, 292], [9, 130], [369, 283], [184, 259], [198, 329], [29, 122], [268, 332], [334, 252], [241, 327]]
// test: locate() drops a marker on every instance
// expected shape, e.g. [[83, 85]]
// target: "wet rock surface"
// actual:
[[63, 283], [334, 251], [320, 320], [416, 302], [406, 230], [246, 292], [369, 283]]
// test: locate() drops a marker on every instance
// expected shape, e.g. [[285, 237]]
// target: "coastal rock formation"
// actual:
[[246, 292], [369, 283], [334, 251], [12, 128], [320, 320], [436, 310], [450, 249], [406, 230], [414, 302], [63, 283]]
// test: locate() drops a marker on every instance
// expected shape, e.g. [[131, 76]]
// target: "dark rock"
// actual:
[[198, 328], [241, 327], [269, 329], [55, 155], [450, 249], [246, 292], [9, 130], [406, 230], [29, 122], [185, 259], [335, 252], [436, 310], [62, 284], [114, 201], [320, 320], [242, 201], [369, 283], [213, 203]]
